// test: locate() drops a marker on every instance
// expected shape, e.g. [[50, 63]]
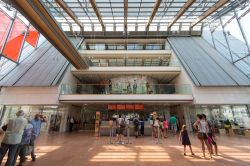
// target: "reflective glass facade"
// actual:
[[230, 36]]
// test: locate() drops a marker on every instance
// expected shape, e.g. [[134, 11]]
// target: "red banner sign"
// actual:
[[139, 107], [111, 106], [120, 107], [130, 106], [125, 106]]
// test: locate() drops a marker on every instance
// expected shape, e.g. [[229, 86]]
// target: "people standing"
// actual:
[[71, 124], [202, 127], [165, 127], [142, 127], [184, 139], [211, 136], [156, 127], [37, 124], [161, 128], [121, 127], [227, 126], [173, 123], [134, 87], [129, 90], [12, 138], [136, 126], [110, 86], [25, 144], [147, 87]]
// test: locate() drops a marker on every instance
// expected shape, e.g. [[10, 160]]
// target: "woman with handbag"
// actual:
[[202, 127]]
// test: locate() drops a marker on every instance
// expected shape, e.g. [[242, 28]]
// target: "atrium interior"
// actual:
[[85, 64]]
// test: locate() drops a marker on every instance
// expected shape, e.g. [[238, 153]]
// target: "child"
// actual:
[[185, 139]]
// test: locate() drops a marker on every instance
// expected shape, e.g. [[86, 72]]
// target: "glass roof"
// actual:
[[139, 13]]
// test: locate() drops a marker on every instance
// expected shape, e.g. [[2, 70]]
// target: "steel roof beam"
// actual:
[[41, 19], [125, 16], [97, 12], [65, 7], [181, 12], [210, 11], [155, 9]]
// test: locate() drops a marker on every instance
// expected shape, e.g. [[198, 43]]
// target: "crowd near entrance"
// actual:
[[139, 117]]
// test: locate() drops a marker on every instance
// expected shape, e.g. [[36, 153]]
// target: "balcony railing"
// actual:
[[133, 62], [125, 88]]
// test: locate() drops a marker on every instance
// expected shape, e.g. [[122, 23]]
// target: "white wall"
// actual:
[[214, 95], [29, 96], [221, 95]]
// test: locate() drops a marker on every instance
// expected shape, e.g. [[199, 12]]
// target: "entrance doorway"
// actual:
[[85, 114]]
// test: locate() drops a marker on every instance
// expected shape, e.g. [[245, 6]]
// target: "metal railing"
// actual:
[[125, 88], [133, 62]]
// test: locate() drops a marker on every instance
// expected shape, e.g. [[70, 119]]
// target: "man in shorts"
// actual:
[[120, 129], [173, 123]]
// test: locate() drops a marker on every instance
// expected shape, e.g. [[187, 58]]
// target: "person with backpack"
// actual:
[[211, 137], [136, 126], [121, 127]]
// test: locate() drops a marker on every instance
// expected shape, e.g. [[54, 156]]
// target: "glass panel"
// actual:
[[153, 27], [5, 66], [163, 27], [206, 34], [5, 23], [32, 36], [131, 27], [87, 27], [235, 38], [99, 46], [109, 27], [220, 40], [245, 25], [15, 40], [141, 27], [119, 27], [97, 27], [121, 88]]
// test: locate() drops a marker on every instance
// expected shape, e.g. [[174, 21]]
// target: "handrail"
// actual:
[[125, 88]]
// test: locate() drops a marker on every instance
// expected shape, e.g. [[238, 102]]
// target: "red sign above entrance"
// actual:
[[111, 106], [121, 107], [130, 106], [139, 107], [125, 106]]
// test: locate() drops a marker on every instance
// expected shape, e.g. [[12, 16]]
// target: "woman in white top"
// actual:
[[156, 125], [202, 127]]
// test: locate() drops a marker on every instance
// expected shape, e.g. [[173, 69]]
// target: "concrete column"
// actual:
[[187, 118], [64, 121]]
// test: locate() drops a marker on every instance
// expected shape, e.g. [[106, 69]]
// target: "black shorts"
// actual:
[[202, 136], [120, 130]]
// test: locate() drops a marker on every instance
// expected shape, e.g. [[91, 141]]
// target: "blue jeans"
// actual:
[[11, 154]]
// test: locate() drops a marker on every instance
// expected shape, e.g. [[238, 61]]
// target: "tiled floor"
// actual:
[[80, 149]]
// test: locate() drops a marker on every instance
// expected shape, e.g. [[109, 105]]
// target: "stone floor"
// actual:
[[80, 149]]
